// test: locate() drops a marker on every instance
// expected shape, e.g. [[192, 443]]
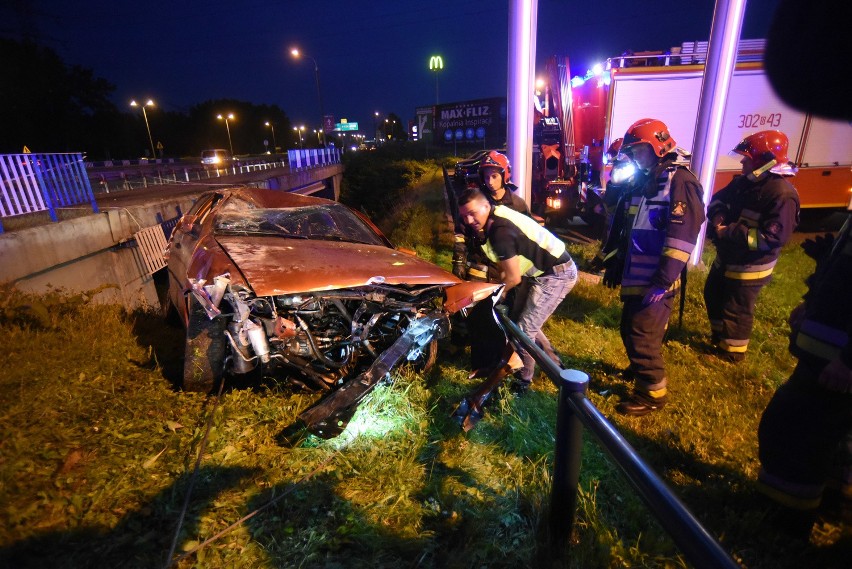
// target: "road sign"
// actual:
[[345, 126]]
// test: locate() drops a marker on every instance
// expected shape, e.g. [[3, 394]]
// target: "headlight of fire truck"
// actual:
[[554, 203]]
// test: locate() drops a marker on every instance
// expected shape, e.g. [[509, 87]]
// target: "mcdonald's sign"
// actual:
[[436, 63]]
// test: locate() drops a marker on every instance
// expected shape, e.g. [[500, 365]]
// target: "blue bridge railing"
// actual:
[[42, 182], [313, 157]]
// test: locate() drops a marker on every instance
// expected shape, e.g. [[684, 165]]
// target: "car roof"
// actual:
[[264, 198]]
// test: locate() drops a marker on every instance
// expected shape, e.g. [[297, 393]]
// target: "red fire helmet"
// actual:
[[763, 147], [497, 160], [654, 132]]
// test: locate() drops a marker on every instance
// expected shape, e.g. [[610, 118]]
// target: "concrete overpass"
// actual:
[[113, 255]]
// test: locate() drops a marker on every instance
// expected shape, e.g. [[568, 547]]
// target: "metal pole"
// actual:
[[274, 142], [523, 19], [718, 69], [567, 458], [228, 128], [436, 87], [148, 127], [319, 96]]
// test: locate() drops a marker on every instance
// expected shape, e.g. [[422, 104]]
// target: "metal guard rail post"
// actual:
[[576, 411]]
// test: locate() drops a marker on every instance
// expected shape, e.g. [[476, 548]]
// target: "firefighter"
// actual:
[[805, 433], [531, 259], [749, 220], [470, 263], [613, 190], [652, 236], [495, 173]]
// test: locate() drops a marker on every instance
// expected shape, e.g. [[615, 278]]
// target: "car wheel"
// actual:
[[206, 345]]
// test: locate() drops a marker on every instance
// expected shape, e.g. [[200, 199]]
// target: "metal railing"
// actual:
[[313, 157], [574, 413], [147, 175], [43, 182]]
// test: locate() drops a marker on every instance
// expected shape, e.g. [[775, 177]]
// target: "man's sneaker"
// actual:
[[637, 406]]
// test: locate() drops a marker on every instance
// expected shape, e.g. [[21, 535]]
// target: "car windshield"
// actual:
[[330, 222]]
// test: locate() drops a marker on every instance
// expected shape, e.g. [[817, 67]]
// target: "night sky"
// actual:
[[372, 55]]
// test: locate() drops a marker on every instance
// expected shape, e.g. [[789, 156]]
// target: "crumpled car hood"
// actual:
[[274, 266]]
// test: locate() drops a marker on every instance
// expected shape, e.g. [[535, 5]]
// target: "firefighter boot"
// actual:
[[639, 404]]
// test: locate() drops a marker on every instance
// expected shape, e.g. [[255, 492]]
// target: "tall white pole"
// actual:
[[523, 20], [718, 70]]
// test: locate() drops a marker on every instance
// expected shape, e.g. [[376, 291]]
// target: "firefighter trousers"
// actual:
[[804, 439], [642, 331], [730, 309]]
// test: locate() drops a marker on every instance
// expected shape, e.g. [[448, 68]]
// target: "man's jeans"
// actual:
[[537, 299]]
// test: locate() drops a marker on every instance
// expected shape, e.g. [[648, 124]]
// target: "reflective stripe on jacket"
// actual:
[[663, 233], [532, 231], [759, 217]]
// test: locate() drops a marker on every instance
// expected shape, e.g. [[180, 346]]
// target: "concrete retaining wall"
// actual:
[[97, 252]]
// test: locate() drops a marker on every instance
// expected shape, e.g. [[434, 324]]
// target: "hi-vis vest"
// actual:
[[535, 234], [649, 239]]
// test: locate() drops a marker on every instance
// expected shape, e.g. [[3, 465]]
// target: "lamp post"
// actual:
[[149, 103], [297, 54], [299, 132], [376, 127], [230, 116], [274, 144]]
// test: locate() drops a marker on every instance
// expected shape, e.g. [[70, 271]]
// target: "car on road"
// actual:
[[306, 291], [216, 158]]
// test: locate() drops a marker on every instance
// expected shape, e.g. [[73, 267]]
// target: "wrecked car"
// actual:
[[306, 291]]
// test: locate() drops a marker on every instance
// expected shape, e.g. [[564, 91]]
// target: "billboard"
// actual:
[[481, 122]]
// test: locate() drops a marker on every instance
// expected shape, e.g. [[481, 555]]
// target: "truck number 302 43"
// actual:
[[756, 119]]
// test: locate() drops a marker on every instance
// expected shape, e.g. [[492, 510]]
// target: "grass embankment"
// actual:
[[97, 447]]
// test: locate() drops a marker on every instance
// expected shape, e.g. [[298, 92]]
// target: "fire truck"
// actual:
[[599, 107]]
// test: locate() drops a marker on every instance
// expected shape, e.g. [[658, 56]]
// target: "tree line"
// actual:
[[49, 106]]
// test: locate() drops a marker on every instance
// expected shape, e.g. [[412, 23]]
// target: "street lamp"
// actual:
[[297, 54], [376, 127], [274, 144], [228, 128], [299, 132], [150, 103]]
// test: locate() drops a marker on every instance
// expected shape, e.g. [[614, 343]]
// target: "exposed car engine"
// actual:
[[319, 336]]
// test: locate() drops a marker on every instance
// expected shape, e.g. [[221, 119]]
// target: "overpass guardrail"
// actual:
[[44, 182]]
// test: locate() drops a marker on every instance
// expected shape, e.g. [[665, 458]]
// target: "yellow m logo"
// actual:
[[436, 63]]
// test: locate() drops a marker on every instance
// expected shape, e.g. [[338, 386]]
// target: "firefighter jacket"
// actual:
[[661, 225], [758, 218], [824, 331]]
